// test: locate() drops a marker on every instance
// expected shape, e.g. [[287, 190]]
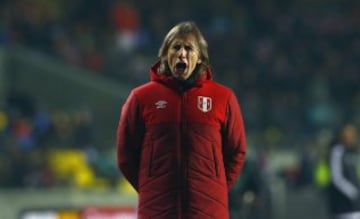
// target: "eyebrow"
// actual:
[[192, 44]]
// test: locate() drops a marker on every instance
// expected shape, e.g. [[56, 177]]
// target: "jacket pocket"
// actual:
[[160, 160], [203, 156]]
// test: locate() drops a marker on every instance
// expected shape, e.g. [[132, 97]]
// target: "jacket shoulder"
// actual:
[[144, 88], [220, 89]]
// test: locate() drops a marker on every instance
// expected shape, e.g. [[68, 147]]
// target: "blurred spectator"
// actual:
[[62, 129], [250, 197], [307, 167], [344, 190], [28, 135], [126, 22], [83, 129]]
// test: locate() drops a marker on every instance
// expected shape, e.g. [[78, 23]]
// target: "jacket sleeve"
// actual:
[[129, 139], [348, 188], [234, 141]]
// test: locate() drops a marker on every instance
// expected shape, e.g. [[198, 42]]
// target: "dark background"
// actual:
[[68, 65]]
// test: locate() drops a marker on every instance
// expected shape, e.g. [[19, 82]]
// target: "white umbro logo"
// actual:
[[161, 104]]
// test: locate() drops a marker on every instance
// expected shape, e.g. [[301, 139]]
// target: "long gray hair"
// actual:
[[183, 29]]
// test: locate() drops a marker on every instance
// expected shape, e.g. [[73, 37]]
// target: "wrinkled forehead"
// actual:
[[186, 39]]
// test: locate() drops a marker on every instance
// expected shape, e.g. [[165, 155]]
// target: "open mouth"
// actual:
[[180, 66]]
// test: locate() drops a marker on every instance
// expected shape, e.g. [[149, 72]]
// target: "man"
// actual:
[[344, 190], [181, 138]]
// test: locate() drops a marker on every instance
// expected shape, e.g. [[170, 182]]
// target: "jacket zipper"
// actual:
[[181, 162]]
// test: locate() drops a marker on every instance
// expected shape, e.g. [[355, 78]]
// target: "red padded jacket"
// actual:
[[181, 150]]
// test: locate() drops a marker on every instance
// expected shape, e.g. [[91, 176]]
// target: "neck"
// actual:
[[188, 83]]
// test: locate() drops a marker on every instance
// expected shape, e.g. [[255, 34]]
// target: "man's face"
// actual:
[[182, 56], [349, 135]]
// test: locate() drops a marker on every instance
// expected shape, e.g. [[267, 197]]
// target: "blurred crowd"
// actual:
[[33, 139], [293, 64]]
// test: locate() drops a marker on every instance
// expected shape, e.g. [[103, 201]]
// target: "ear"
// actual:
[[199, 61]]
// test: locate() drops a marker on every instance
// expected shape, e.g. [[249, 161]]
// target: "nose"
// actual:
[[182, 52]]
